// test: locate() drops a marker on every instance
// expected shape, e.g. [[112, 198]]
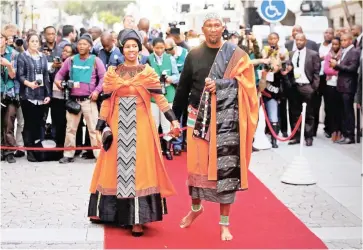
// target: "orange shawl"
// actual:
[[243, 72]]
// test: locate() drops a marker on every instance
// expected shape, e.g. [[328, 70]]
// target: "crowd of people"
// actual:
[[35, 68], [130, 86]]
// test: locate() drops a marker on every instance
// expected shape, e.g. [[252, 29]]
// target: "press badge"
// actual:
[[39, 77], [270, 77], [76, 85], [297, 73]]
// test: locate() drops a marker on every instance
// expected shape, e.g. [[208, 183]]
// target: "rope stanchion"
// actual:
[[63, 148], [299, 171], [294, 131]]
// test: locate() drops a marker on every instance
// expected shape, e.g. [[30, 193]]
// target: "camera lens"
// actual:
[[19, 42]]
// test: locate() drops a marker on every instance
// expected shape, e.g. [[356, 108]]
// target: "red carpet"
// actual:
[[258, 220]]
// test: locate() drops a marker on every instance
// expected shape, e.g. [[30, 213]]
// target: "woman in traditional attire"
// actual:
[[130, 183]]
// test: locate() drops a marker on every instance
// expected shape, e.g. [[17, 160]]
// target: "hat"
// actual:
[[212, 15], [128, 34], [86, 37]]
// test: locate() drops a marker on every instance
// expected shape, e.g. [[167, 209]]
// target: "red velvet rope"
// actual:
[[273, 131], [64, 148]]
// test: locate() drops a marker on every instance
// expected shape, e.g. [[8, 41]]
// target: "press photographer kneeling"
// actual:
[[83, 70]]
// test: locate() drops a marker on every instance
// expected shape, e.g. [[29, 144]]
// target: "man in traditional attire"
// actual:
[[218, 84]]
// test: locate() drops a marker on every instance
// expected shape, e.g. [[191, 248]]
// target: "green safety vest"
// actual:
[[165, 66], [6, 82], [82, 70], [181, 59]]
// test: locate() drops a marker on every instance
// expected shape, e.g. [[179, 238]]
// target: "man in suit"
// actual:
[[304, 69], [347, 68], [69, 36], [291, 45], [324, 49]]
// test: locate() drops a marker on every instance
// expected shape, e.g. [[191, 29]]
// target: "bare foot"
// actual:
[[225, 234], [188, 220]]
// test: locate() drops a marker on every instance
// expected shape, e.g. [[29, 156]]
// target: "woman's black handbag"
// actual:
[[73, 107]]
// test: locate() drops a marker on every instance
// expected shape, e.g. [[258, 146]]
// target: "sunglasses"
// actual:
[[170, 49]]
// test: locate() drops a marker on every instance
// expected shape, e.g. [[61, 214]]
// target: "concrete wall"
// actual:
[[336, 12]]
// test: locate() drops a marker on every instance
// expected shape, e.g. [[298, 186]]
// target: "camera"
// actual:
[[225, 34], [18, 41], [173, 27], [248, 31], [39, 82], [283, 66], [57, 59], [267, 67], [67, 86], [163, 82]]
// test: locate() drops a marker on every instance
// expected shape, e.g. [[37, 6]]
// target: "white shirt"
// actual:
[[294, 46], [345, 51], [332, 81], [299, 72], [323, 51], [359, 38]]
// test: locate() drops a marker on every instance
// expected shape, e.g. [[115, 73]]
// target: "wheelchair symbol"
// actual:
[[271, 11]]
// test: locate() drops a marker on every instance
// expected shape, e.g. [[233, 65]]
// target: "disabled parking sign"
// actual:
[[272, 11]]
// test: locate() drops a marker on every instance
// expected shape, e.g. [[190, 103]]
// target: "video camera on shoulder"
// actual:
[[67, 86]]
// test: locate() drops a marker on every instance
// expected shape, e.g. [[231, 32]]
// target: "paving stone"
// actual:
[[55, 196]]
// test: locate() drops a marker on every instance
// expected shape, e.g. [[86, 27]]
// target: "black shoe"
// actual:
[[255, 149], [10, 158], [177, 152], [88, 155], [309, 142], [30, 156], [284, 134], [66, 160], [19, 153], [137, 234], [346, 141]]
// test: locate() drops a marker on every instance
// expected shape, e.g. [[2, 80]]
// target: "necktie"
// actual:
[[298, 60]]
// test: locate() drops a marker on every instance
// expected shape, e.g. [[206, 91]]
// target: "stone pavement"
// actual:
[[44, 205]]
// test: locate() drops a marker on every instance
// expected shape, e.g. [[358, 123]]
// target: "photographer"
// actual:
[[9, 98], [83, 70], [249, 44], [58, 110], [272, 93], [165, 66], [13, 40], [35, 91], [174, 33]]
